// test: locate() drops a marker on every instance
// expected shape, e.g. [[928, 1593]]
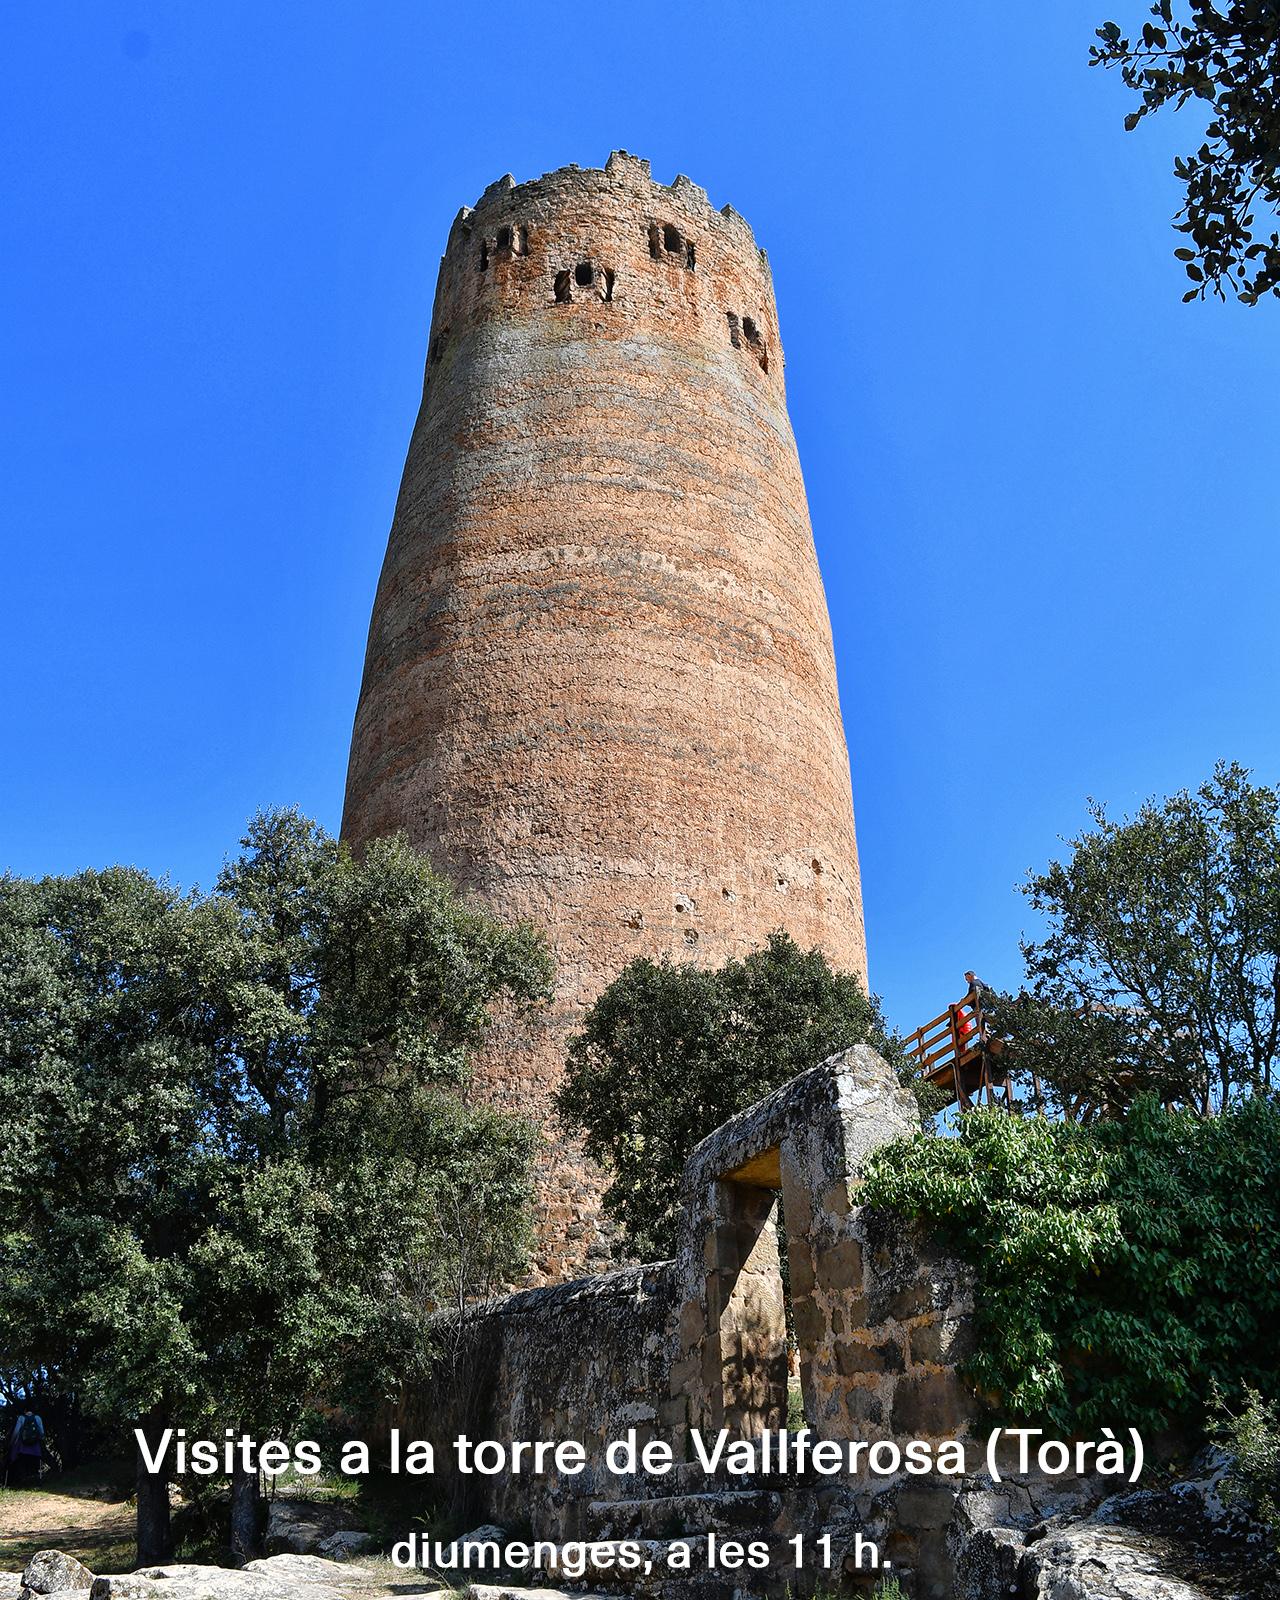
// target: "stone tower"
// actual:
[[599, 687]]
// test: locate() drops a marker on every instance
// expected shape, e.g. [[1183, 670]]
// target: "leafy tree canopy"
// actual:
[[668, 1053], [1160, 969], [234, 1127], [1225, 53]]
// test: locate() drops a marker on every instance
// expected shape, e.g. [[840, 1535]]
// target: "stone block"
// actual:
[[946, 1339], [926, 1504], [864, 1406], [810, 1322], [912, 1300], [693, 1323], [835, 1200], [853, 1356], [50, 1570], [801, 1264], [840, 1266], [673, 1413], [929, 1405]]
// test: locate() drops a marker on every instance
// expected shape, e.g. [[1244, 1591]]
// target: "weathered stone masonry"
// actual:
[[700, 1342], [600, 687]]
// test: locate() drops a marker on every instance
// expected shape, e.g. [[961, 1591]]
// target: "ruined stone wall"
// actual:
[[882, 1317], [584, 1360], [599, 686]]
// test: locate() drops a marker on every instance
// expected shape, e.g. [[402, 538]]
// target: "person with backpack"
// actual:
[[26, 1447]]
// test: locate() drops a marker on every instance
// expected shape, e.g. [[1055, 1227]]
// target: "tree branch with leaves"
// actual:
[[1159, 971], [1225, 56]]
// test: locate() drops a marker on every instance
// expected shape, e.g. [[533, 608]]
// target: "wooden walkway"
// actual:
[[957, 1053]]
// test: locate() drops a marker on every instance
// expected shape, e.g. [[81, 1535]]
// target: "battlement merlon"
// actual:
[[622, 174]]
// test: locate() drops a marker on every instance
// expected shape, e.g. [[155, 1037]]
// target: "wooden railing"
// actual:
[[956, 1053]]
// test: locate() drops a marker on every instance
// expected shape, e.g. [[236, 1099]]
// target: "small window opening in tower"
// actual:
[[522, 240], [608, 284], [671, 239], [655, 241], [484, 254], [504, 240], [690, 256], [584, 275], [734, 340], [756, 342], [562, 287]]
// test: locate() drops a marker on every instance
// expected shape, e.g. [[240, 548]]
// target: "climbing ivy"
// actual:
[[1124, 1269]]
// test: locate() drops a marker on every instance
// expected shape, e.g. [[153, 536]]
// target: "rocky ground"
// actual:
[[1019, 1541], [1184, 1542], [51, 1575], [88, 1514], [75, 1542]]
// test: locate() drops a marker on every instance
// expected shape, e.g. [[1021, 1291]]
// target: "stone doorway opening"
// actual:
[[753, 1353], [797, 1155]]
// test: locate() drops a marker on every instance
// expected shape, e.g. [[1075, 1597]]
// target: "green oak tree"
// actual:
[[232, 1125], [1159, 970], [667, 1053]]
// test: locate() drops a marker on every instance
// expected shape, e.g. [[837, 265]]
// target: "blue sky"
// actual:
[[1044, 491]]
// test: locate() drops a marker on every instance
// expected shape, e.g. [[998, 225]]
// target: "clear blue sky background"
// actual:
[[1044, 491]]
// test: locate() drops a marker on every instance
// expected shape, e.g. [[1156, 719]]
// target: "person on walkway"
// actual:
[[972, 1002], [26, 1447]]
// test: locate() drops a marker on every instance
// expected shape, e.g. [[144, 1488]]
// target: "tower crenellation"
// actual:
[[589, 237]]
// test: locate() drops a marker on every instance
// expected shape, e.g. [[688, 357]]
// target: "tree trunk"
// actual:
[[155, 1537], [246, 1514]]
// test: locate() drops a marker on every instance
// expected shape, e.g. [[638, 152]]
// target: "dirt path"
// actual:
[[87, 1516]]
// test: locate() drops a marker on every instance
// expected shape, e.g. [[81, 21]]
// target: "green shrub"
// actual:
[[1123, 1268], [1253, 1438]]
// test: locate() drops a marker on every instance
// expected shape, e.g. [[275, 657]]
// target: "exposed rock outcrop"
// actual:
[[295, 1527], [1103, 1561], [348, 1542], [1186, 1542], [50, 1572], [282, 1577], [303, 1527]]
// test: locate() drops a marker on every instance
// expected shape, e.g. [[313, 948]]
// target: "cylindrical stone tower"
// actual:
[[599, 687]]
